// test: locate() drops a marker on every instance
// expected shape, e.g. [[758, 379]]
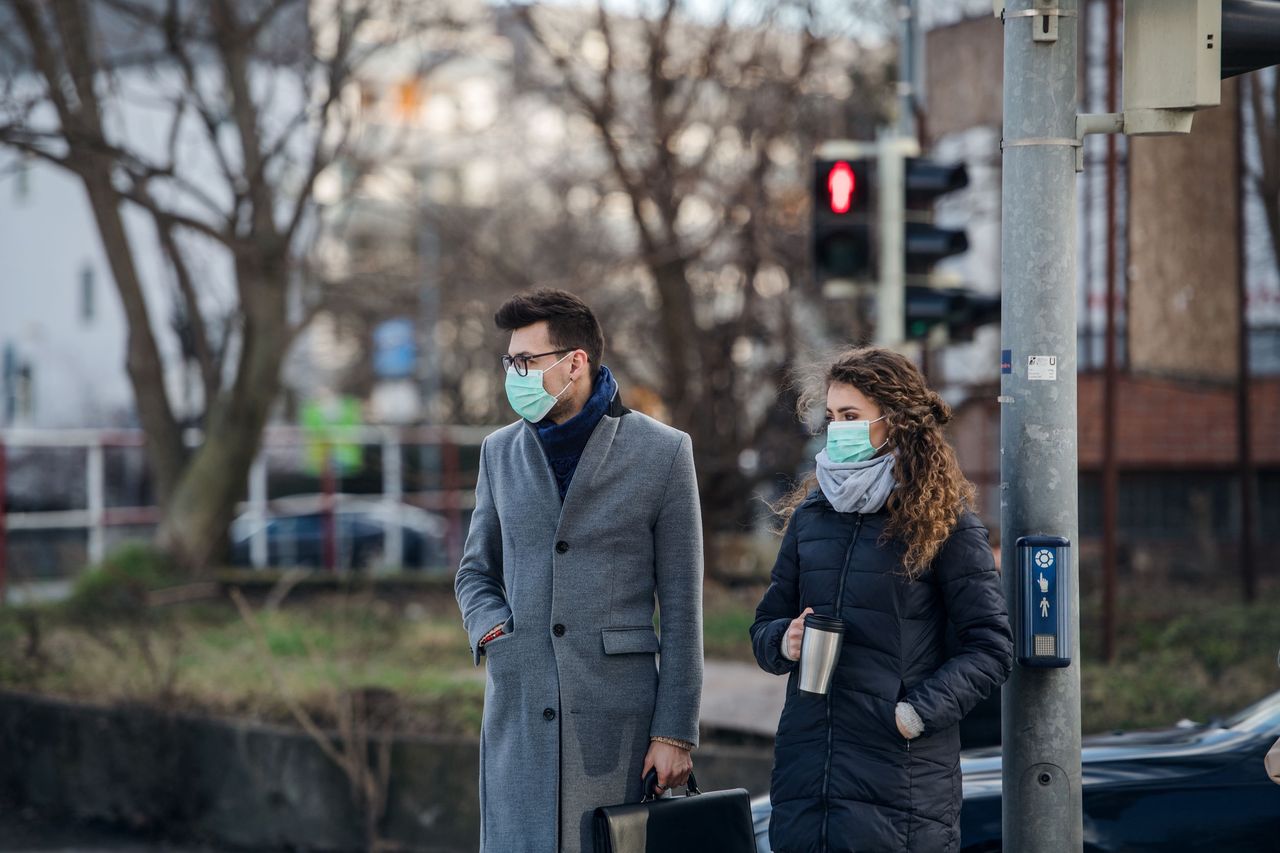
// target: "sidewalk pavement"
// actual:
[[741, 697]]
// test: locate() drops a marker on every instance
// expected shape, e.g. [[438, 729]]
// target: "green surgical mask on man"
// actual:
[[527, 395]]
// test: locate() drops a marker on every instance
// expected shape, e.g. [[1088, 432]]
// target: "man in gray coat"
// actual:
[[585, 513]]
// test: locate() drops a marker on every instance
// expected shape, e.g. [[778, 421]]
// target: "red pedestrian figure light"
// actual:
[[841, 185]]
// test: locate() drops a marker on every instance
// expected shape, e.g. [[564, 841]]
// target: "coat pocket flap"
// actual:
[[621, 641]]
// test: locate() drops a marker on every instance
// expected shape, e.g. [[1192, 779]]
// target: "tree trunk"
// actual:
[[165, 451], [194, 526], [680, 335]]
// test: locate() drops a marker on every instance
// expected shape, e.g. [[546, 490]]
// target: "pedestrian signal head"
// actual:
[[842, 183]]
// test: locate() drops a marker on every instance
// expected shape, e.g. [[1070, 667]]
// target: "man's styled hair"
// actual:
[[570, 323]]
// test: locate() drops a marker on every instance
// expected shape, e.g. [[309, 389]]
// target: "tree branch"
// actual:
[[233, 52], [194, 318]]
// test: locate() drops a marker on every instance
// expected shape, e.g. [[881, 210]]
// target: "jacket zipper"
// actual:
[[911, 793], [826, 772]]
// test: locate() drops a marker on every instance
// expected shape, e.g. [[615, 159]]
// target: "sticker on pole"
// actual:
[[1006, 361], [1043, 368]]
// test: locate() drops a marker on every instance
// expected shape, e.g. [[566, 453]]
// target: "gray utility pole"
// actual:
[[1040, 707], [891, 153], [908, 69], [892, 148]]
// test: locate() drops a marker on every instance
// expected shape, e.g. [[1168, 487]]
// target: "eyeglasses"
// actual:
[[521, 362]]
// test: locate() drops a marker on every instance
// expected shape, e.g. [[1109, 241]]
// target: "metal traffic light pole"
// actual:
[[890, 326], [1040, 722], [893, 146], [1040, 719]]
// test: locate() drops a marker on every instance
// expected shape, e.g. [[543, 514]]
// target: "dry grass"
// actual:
[[203, 657], [1188, 652]]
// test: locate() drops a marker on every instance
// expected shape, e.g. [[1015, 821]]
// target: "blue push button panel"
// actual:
[[1042, 623]]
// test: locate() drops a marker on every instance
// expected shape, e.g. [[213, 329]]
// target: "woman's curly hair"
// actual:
[[932, 491]]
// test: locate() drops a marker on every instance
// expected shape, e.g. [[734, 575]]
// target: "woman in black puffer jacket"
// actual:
[[882, 537]]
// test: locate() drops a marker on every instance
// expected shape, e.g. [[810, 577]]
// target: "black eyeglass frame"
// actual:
[[521, 362]]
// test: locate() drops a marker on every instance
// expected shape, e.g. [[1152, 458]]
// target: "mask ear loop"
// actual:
[[886, 438], [571, 379]]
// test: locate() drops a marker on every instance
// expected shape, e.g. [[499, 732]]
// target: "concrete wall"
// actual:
[[251, 786], [1184, 254], [965, 67]]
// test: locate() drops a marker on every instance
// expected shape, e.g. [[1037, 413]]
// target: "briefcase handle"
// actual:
[[651, 786]]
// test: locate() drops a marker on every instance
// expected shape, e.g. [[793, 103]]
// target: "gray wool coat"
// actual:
[[574, 689]]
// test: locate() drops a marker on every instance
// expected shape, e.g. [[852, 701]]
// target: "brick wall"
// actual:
[[1167, 424], [1163, 424]]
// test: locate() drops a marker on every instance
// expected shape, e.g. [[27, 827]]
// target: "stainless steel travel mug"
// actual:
[[819, 652]]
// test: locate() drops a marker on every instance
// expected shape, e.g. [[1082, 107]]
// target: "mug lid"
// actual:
[[823, 623]]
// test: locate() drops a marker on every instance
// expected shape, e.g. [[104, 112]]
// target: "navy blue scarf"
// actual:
[[565, 442]]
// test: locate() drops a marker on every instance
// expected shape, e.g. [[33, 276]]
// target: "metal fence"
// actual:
[[56, 482]]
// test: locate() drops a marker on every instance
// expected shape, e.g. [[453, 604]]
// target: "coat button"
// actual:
[[562, 546], [558, 630], [549, 714]]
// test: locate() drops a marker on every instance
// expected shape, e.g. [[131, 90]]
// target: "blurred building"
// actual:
[[63, 334], [1190, 236], [483, 162]]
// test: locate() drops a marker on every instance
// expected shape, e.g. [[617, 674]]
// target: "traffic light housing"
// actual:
[[844, 216], [1250, 36], [925, 244], [873, 223], [1176, 52], [926, 306], [959, 310]]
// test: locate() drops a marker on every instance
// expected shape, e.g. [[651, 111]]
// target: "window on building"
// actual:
[[22, 180], [25, 394], [1165, 505], [9, 373], [1268, 517], [86, 294], [1264, 350]]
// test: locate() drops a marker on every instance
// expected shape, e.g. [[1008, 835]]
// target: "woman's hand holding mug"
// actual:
[[794, 636]]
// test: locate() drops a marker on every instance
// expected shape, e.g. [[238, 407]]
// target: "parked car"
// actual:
[[295, 532], [1192, 788]]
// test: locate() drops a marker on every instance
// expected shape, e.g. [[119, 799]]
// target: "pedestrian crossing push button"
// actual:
[[1042, 623]]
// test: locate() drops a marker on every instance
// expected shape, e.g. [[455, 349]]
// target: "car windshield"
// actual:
[[1261, 716]]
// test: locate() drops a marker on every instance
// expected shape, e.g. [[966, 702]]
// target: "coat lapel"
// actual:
[[543, 496], [543, 491], [594, 457]]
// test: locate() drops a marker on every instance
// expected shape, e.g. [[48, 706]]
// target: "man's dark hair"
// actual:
[[570, 323]]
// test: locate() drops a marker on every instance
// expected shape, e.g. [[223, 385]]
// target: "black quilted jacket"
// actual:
[[844, 779]]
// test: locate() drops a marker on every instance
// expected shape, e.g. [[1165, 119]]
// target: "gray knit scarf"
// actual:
[[856, 486]]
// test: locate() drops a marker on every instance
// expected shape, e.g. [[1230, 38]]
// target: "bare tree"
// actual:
[[258, 102], [706, 128]]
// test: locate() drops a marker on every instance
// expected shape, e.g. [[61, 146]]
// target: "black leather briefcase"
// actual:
[[714, 822]]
